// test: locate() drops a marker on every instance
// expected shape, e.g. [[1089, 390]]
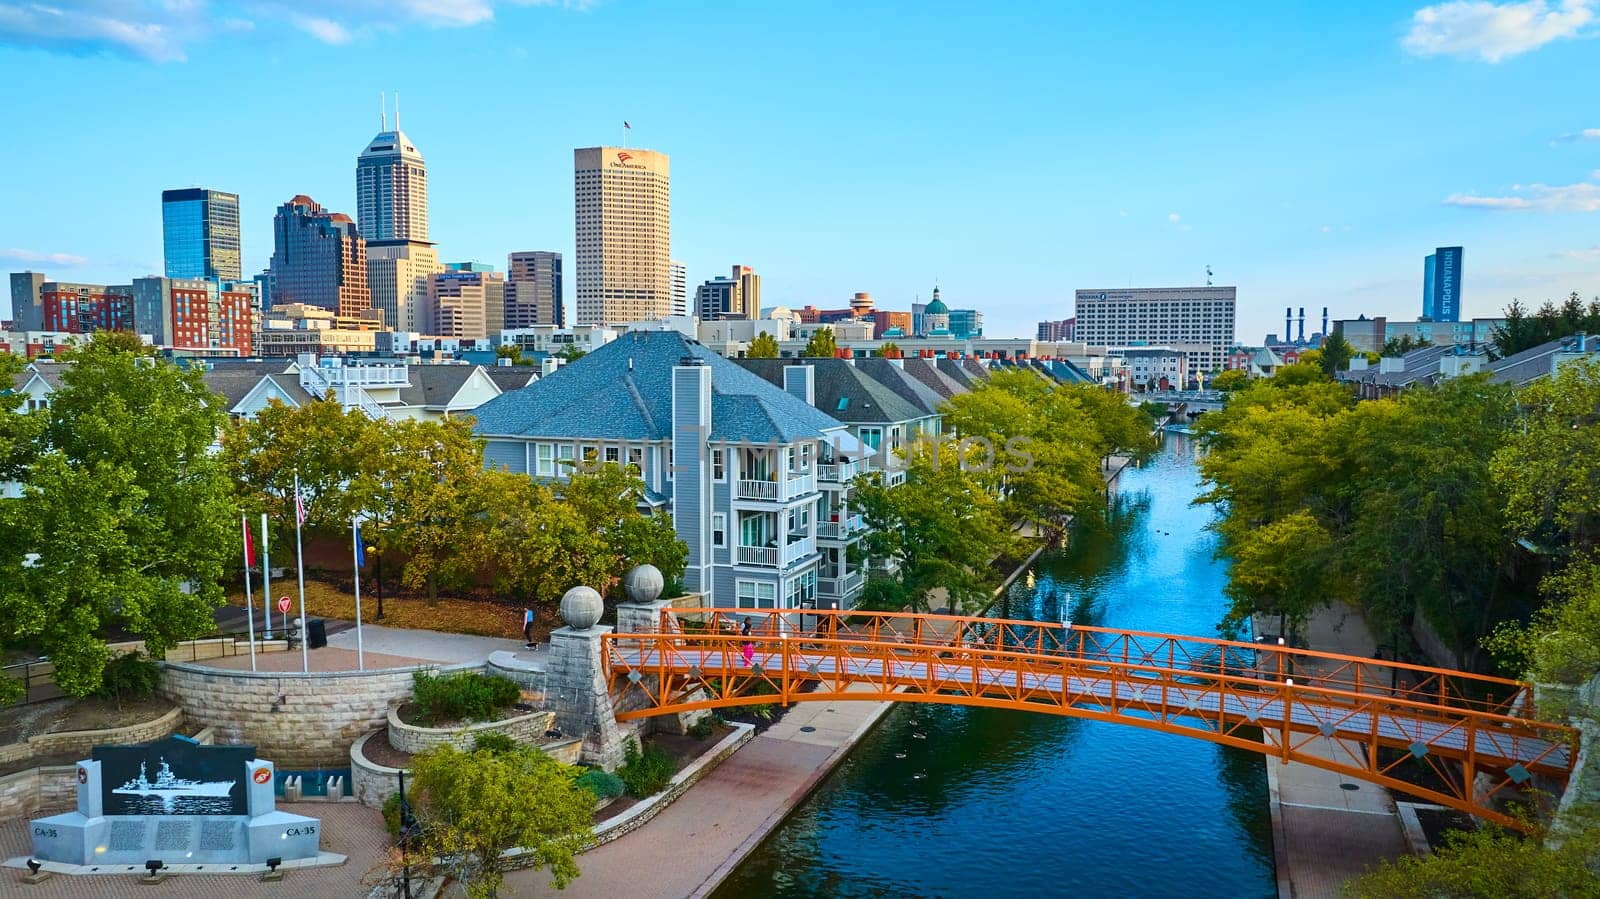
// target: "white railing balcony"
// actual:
[[778, 491], [838, 472], [799, 549], [841, 587], [758, 555], [844, 528], [368, 375]]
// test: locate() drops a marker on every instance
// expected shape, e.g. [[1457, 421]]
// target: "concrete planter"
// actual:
[[81, 741], [412, 738], [370, 782]]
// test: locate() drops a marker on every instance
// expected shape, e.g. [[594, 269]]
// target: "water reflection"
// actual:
[[951, 801]]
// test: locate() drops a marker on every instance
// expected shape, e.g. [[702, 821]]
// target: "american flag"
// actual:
[[627, 126], [299, 508]]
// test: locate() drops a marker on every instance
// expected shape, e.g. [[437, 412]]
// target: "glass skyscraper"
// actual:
[[1441, 285], [200, 234]]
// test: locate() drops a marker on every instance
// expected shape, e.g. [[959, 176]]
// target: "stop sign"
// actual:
[[283, 604]]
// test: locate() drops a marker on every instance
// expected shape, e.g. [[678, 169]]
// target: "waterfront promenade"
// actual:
[[1328, 828]]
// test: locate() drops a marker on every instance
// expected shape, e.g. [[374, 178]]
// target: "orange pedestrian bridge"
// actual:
[[1462, 740]]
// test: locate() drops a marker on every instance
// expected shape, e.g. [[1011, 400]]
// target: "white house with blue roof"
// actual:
[[734, 459]]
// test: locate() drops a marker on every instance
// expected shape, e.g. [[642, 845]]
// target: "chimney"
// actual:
[[1324, 321], [690, 468], [801, 381], [1302, 337], [1288, 323]]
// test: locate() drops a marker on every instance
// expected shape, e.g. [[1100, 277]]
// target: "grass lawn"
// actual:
[[457, 616]]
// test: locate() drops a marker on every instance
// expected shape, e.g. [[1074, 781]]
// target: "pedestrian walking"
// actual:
[[748, 649], [527, 627]]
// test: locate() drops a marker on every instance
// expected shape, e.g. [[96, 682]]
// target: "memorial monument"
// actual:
[[177, 801]]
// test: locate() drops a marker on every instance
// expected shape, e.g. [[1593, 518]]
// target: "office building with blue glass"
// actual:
[[1441, 285], [200, 234]]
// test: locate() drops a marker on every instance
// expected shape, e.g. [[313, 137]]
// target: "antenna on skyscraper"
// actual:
[[1208, 276], [383, 112]]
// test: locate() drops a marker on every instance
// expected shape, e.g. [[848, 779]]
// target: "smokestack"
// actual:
[[1288, 323], [1302, 337], [1324, 321]]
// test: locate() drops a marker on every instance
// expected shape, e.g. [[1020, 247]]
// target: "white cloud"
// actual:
[[162, 30], [1584, 135], [1586, 253], [1327, 229], [1173, 217], [1581, 197], [1477, 29], [14, 254]]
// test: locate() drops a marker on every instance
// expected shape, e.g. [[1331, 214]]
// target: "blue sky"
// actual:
[[1311, 153]]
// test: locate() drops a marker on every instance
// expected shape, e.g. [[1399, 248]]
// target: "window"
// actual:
[[613, 454], [590, 455], [719, 529], [803, 591], [564, 458], [719, 470], [636, 456], [872, 437], [545, 465], [757, 595]]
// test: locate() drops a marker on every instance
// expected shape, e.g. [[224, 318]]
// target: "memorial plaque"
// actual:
[[174, 835], [173, 777], [217, 836], [126, 836]]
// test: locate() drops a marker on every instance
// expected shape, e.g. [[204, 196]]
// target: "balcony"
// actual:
[[775, 491], [838, 472], [776, 556], [843, 529], [841, 588]]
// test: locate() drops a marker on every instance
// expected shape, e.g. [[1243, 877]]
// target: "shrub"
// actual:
[[463, 696], [702, 729], [646, 773], [497, 744], [603, 784], [129, 676], [391, 815]]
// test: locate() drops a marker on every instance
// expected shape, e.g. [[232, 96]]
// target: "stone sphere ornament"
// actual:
[[643, 583], [581, 608]]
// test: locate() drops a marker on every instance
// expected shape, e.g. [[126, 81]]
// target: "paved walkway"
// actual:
[[697, 841], [1328, 828]]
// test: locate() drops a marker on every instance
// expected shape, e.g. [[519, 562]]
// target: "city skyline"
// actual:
[[1323, 187]]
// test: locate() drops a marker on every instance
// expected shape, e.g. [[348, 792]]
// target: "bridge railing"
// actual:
[[1432, 686]]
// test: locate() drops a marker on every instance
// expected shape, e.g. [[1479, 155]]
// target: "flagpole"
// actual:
[[300, 574], [355, 551], [266, 581], [249, 601]]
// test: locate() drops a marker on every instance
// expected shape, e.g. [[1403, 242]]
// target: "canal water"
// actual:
[[948, 801]]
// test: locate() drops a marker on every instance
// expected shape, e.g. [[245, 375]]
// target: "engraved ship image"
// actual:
[[169, 788]]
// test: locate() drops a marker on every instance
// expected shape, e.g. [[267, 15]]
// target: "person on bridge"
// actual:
[[748, 650]]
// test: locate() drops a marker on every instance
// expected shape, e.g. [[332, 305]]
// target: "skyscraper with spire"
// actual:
[[392, 215], [391, 186]]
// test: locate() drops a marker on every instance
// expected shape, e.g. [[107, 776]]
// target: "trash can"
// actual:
[[316, 633]]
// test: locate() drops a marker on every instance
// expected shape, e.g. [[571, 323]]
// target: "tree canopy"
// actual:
[[125, 519], [1522, 331], [473, 806], [765, 346], [821, 344]]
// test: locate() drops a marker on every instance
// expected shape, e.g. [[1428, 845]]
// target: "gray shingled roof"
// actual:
[[956, 371], [1533, 364], [886, 372], [434, 385], [512, 377], [842, 390], [623, 391], [927, 371]]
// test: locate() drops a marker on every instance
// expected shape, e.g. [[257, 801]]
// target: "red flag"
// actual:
[[249, 547]]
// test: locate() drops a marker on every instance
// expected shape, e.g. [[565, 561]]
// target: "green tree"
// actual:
[[509, 351], [1549, 467], [125, 518], [765, 346], [1230, 380], [941, 526], [1336, 354], [1277, 571], [474, 806], [328, 446], [821, 344], [1492, 863], [1561, 643], [889, 350], [571, 353]]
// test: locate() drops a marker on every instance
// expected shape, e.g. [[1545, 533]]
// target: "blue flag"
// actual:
[[361, 551]]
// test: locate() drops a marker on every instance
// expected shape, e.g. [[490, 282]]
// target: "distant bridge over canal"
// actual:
[[1478, 736]]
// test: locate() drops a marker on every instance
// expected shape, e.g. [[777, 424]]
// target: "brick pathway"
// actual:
[[688, 848], [348, 829]]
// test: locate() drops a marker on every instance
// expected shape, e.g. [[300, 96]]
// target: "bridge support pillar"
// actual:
[[577, 691], [645, 618]]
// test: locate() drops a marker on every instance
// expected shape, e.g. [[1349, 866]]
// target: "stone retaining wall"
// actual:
[[81, 741], [413, 738], [371, 783], [297, 720], [529, 676]]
